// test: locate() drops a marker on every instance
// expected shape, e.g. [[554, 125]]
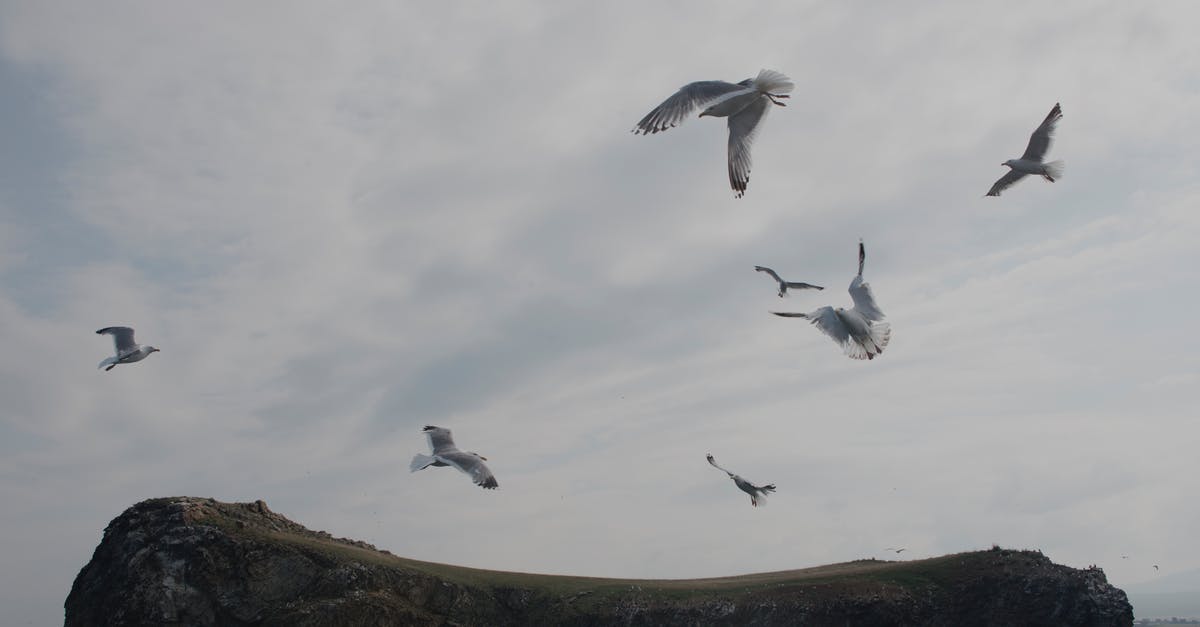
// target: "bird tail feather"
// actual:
[[773, 82], [110, 361], [420, 462], [1054, 170], [881, 334]]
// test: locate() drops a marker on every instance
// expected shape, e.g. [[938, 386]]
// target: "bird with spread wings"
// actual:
[[445, 453]]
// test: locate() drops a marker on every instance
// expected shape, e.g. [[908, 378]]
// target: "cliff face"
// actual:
[[190, 561]]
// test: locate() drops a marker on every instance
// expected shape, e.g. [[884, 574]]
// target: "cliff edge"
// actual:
[[195, 561]]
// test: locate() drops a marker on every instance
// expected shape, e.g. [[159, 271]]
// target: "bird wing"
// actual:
[[440, 440], [743, 127], [714, 463], [1039, 141], [674, 110], [827, 320], [472, 466], [768, 271], [864, 300], [803, 286], [122, 338], [1004, 182]]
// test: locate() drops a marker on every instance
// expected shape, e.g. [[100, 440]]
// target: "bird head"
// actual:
[[1008, 163], [479, 456], [151, 349]]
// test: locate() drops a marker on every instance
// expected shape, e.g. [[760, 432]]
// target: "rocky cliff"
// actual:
[[193, 561]]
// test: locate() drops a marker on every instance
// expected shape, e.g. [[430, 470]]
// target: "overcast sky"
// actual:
[[342, 224]]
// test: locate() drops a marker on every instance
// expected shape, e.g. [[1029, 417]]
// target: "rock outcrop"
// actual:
[[192, 561]]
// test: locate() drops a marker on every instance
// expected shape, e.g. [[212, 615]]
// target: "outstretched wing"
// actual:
[[768, 271], [1005, 182], [803, 286], [439, 440], [1039, 141], [674, 110], [864, 300], [473, 466], [827, 320], [122, 337], [714, 463], [743, 127]]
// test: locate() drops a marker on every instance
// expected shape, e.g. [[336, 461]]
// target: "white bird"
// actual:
[[445, 453], [745, 104], [784, 285], [758, 494], [860, 330], [1031, 161], [128, 351]]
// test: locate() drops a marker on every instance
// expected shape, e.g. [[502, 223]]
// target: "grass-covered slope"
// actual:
[[191, 561]]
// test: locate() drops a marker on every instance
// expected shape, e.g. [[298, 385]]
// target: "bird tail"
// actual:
[[110, 361], [772, 82], [420, 462], [881, 334], [759, 498], [1054, 171]]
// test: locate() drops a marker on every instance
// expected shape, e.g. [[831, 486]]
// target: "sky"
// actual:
[[342, 223]]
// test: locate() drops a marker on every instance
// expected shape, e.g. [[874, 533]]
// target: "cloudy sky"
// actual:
[[341, 224]]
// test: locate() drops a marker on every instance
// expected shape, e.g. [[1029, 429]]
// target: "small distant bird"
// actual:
[[758, 494], [128, 351], [860, 330], [445, 453], [784, 285], [1031, 161], [745, 104]]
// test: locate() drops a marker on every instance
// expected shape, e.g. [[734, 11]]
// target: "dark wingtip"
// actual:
[[429, 428]]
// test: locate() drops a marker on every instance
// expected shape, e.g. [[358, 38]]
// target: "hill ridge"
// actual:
[[198, 561]]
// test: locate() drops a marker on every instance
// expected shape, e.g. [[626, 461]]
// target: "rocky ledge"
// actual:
[[194, 561]]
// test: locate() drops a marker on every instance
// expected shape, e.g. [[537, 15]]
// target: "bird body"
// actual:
[[1032, 161], [745, 104], [445, 453], [758, 494], [128, 350], [860, 330]]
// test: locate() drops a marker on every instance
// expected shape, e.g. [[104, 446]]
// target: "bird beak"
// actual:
[[483, 458]]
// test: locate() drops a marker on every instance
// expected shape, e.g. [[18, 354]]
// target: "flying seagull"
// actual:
[[758, 494], [745, 104], [445, 453], [1031, 162], [860, 329], [128, 351], [784, 285]]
